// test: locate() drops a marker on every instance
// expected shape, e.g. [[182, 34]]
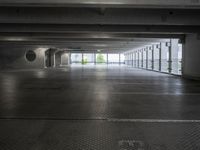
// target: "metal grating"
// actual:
[[97, 135]]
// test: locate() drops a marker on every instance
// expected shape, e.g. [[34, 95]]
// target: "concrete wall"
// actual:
[[191, 57], [65, 59], [14, 57], [58, 59]]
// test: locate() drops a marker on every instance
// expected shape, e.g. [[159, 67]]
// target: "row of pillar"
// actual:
[[161, 57]]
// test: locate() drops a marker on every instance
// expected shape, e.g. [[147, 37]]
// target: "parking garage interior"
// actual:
[[109, 75]]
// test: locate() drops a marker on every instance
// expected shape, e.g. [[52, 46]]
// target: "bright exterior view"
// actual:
[[97, 58]]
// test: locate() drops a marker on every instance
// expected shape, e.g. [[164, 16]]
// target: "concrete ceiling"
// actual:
[[105, 3], [111, 25]]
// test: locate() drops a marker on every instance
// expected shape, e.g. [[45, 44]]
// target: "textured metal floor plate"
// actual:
[[92, 108], [97, 135]]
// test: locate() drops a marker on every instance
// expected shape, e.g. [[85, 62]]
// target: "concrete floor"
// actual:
[[97, 108]]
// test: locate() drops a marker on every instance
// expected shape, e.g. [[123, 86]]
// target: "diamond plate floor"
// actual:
[[97, 135], [75, 108]]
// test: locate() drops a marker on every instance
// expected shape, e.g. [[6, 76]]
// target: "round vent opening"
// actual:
[[30, 55]]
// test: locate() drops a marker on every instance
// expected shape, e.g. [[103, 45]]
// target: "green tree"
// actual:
[[100, 58], [84, 61]]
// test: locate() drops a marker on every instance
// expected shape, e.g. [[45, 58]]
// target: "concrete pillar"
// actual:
[[157, 61], [128, 58], [138, 57], [107, 58], [125, 55], [119, 59], [70, 58], [150, 57], [82, 59], [64, 59], [164, 52], [52, 53], [131, 58], [147, 57], [170, 59], [142, 58], [153, 50], [95, 62], [160, 61], [125, 58], [191, 57], [135, 62], [50, 57], [58, 59], [174, 55]]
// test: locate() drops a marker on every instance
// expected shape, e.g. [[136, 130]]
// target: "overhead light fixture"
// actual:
[[98, 50], [15, 39]]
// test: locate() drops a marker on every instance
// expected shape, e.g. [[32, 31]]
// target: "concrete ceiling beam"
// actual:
[[85, 36], [104, 3], [53, 28], [91, 16]]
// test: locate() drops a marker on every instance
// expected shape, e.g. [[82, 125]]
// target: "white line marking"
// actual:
[[154, 120]]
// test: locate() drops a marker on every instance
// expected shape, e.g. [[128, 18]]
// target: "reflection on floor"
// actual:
[[98, 108]]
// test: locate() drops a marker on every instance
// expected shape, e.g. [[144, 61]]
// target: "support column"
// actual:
[[142, 57], [135, 62], [132, 59], [70, 58], [125, 55], [95, 62], [147, 57], [138, 54], [125, 58], [107, 58], [64, 58], [58, 59], [160, 57], [191, 57], [170, 58], [119, 59], [52, 58], [174, 55], [128, 59], [164, 62], [153, 51]]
